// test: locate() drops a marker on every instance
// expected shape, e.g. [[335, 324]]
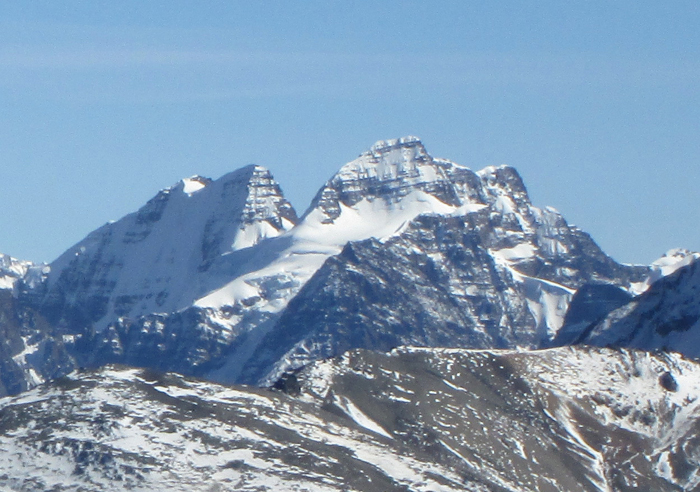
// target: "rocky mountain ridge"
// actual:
[[419, 419]]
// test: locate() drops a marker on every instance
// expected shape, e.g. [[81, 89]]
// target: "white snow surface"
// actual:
[[671, 261]]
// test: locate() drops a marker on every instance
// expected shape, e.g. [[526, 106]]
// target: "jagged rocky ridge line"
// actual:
[[220, 279]]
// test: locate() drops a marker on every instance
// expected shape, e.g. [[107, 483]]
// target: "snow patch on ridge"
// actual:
[[671, 261], [194, 184], [360, 418]]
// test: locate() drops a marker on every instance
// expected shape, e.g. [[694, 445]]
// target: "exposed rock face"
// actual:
[[441, 283], [29, 353], [666, 317], [567, 419]]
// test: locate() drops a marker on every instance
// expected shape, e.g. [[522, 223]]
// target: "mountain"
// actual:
[[665, 317], [287, 309], [155, 260], [671, 261], [415, 329], [219, 279], [29, 354], [478, 267], [566, 419], [594, 301]]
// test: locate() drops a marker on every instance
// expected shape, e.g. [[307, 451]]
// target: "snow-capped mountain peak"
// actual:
[[150, 261], [373, 196], [394, 171], [376, 207]]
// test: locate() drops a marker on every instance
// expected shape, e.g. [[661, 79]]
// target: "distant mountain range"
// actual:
[[223, 280]]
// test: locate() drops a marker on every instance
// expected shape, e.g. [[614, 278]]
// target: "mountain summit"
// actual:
[[394, 171], [151, 261]]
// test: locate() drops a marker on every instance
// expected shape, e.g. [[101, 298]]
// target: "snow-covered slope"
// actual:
[[159, 259], [570, 419], [665, 317]]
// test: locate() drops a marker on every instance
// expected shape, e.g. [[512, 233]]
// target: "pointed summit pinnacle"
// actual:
[[392, 170]]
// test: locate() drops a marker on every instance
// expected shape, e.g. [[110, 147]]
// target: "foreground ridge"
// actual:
[[565, 419]]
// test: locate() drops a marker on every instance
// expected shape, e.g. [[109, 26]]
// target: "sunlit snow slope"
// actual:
[[160, 259]]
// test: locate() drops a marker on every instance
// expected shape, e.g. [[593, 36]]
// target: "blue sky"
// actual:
[[104, 103]]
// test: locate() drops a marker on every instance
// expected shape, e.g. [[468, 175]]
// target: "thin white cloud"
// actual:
[[171, 75]]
